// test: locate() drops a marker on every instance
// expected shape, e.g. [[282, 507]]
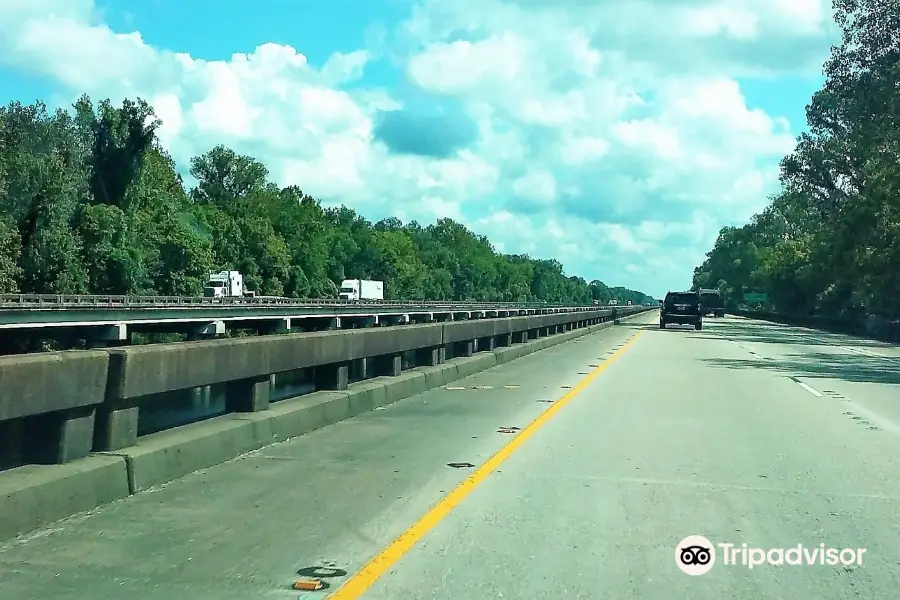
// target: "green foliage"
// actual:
[[90, 203], [829, 243]]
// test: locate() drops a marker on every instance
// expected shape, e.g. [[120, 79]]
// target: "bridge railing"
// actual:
[[104, 301], [73, 384], [57, 407]]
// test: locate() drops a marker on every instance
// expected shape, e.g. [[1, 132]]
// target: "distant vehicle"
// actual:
[[613, 303], [681, 308], [226, 284], [713, 303], [361, 289], [629, 303]]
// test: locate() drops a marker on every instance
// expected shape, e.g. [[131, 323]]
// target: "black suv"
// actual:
[[681, 308]]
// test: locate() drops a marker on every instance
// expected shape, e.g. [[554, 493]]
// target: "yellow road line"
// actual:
[[362, 580]]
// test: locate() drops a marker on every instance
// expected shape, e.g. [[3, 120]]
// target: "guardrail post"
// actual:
[[62, 436], [12, 443], [359, 369], [248, 395], [332, 377], [428, 357], [116, 428], [388, 365], [464, 349]]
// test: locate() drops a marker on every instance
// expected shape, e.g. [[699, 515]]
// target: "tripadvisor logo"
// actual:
[[696, 555]]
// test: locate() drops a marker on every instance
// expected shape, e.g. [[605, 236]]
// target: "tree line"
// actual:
[[93, 204], [828, 244]]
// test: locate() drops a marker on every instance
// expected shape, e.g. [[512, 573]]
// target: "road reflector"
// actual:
[[309, 585]]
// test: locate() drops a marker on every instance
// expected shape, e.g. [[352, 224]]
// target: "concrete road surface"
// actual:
[[744, 433]]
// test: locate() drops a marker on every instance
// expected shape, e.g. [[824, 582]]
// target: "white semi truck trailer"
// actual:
[[361, 289], [226, 284]]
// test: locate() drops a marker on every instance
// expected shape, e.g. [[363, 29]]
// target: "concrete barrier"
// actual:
[[33, 496], [50, 400]]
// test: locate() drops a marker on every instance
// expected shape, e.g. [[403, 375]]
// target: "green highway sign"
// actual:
[[755, 297]]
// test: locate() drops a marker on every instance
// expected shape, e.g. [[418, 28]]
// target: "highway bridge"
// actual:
[[556, 454], [105, 319]]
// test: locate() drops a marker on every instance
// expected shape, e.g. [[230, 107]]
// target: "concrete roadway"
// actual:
[[683, 432]]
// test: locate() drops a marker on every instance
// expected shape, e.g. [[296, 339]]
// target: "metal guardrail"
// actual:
[[66, 301]]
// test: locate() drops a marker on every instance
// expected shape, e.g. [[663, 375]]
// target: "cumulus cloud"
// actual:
[[613, 136]]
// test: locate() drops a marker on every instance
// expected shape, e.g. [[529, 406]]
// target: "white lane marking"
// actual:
[[812, 391], [874, 418], [860, 411]]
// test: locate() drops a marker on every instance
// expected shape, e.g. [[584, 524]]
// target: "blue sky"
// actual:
[[617, 138]]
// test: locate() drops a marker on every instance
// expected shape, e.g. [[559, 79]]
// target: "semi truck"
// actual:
[[226, 284], [361, 289]]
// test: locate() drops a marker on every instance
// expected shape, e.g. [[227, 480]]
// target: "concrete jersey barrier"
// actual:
[[81, 408]]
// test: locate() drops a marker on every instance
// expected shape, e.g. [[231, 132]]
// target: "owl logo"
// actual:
[[695, 555]]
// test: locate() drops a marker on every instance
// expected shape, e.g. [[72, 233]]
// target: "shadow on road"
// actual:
[[848, 367], [772, 333]]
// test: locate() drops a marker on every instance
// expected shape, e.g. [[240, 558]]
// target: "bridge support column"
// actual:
[[62, 436], [442, 354], [116, 428], [487, 344], [388, 365], [248, 395], [520, 337], [332, 377], [505, 340]]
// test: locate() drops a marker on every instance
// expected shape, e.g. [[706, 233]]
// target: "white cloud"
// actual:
[[613, 136]]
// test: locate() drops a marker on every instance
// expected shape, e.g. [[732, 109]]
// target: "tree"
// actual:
[[92, 203], [828, 243]]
